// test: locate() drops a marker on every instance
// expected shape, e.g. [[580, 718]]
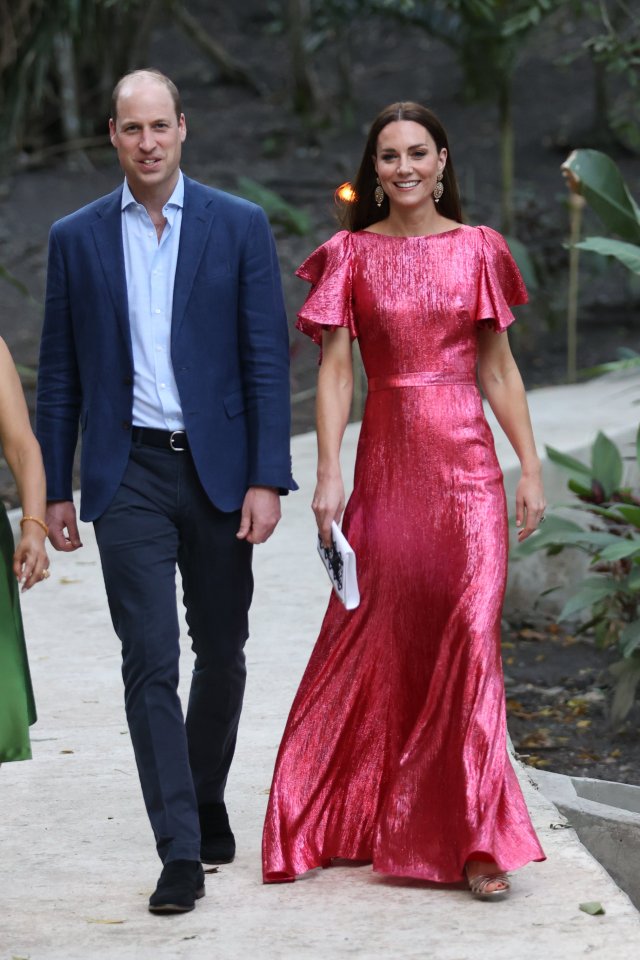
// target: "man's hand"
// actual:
[[260, 514], [61, 517]]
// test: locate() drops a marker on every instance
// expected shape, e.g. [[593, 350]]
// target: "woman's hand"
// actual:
[[328, 505], [530, 504], [30, 561]]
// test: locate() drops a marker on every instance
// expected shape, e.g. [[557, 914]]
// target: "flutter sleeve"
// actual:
[[329, 303], [500, 285]]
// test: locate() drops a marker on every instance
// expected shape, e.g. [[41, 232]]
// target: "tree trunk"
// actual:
[[139, 52], [305, 99], [65, 62], [506, 155], [66, 70], [345, 76]]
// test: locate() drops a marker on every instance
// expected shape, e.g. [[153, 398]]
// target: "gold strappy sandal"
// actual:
[[479, 886]]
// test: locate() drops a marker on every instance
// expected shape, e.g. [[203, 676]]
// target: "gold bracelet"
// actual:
[[37, 520]]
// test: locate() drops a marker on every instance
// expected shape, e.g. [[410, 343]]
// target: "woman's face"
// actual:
[[407, 162]]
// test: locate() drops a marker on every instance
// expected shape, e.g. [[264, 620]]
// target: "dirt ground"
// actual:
[[556, 686], [558, 695]]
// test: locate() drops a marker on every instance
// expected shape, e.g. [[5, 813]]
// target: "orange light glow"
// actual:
[[345, 193]]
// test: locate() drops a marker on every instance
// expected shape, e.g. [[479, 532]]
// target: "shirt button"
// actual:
[[159, 349], [126, 425], [128, 381], [157, 310], [163, 385], [150, 234]]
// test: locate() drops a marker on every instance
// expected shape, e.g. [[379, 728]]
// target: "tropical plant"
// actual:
[[596, 177], [613, 47], [611, 541], [278, 210]]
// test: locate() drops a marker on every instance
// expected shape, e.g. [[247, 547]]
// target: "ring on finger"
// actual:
[[45, 574], [542, 519]]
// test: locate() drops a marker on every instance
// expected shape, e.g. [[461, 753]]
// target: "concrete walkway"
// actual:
[[77, 862]]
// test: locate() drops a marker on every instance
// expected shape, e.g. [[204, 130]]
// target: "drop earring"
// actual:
[[438, 190], [378, 193]]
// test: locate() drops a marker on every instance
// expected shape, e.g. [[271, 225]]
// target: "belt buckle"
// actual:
[[172, 440]]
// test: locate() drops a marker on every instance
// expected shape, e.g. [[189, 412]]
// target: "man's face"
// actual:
[[148, 137]]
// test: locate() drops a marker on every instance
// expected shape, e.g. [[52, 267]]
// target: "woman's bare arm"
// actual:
[[502, 385]]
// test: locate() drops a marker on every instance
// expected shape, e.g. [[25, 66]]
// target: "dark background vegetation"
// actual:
[[282, 93]]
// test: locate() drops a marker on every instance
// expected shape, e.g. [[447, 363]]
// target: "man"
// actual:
[[165, 337]]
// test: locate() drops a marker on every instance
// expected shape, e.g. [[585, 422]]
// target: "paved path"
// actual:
[[77, 862]]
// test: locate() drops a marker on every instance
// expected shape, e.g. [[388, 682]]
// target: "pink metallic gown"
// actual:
[[395, 747]]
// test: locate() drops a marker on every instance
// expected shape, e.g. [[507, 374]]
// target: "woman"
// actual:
[[27, 565], [395, 747]]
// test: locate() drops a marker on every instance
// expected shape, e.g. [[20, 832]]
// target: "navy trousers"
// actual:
[[161, 519]]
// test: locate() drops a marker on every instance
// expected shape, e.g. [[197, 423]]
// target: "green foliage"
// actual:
[[277, 209], [104, 34], [525, 263], [628, 360], [627, 253], [598, 179], [611, 593], [9, 278], [614, 45]]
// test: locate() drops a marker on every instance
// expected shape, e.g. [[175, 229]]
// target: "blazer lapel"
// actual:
[[107, 232], [197, 217]]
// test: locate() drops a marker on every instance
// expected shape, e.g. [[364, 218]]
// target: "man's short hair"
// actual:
[[154, 75]]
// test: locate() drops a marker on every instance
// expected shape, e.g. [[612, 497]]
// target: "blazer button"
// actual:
[[128, 381], [126, 425]]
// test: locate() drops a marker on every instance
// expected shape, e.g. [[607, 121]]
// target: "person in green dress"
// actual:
[[24, 565]]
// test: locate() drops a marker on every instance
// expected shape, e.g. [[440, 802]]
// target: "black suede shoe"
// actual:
[[181, 883], [218, 844]]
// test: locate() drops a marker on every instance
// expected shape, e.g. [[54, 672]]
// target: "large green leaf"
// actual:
[[601, 184], [629, 512], [629, 639], [276, 207], [526, 265], [621, 550], [606, 464], [627, 674], [627, 253], [632, 582], [575, 467], [590, 591], [553, 528], [558, 532]]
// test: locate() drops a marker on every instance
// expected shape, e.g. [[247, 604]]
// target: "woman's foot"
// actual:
[[486, 880]]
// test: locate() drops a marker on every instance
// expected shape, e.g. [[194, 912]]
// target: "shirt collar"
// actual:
[[175, 200]]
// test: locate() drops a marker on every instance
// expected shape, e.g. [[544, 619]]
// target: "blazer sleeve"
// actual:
[[264, 349], [59, 391]]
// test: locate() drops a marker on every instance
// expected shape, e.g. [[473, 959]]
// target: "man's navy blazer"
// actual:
[[229, 349]]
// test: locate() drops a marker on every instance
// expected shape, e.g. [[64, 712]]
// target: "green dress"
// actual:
[[17, 706]]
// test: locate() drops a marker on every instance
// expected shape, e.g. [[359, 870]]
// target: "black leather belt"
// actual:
[[175, 440]]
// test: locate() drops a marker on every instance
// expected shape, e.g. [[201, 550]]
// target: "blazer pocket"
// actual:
[[234, 403]]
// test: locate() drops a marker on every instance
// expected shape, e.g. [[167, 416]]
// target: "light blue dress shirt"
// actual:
[[150, 269]]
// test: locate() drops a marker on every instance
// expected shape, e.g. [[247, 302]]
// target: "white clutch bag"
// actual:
[[340, 563]]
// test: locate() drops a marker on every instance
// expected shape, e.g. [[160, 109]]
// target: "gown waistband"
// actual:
[[419, 379]]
